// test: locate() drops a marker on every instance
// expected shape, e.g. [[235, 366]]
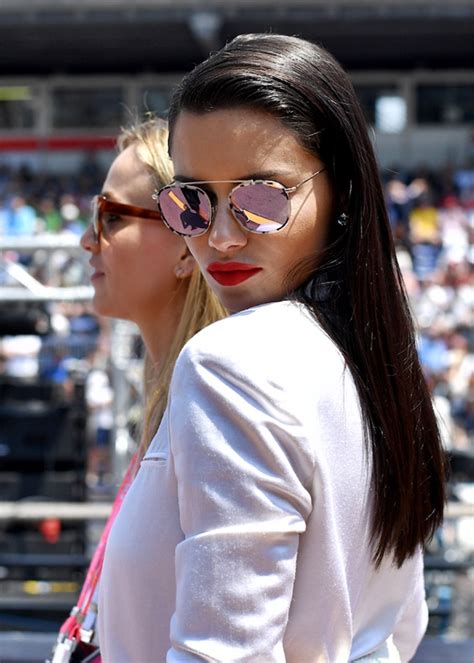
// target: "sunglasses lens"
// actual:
[[95, 216], [186, 209], [261, 207]]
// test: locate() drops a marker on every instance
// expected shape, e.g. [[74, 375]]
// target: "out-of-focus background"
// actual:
[[71, 74]]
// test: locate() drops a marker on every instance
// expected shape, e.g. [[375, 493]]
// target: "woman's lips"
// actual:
[[96, 275], [231, 273]]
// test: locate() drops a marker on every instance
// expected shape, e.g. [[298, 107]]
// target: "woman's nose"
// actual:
[[88, 240], [225, 233]]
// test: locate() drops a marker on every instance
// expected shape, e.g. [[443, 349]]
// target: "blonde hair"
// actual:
[[201, 307], [151, 140]]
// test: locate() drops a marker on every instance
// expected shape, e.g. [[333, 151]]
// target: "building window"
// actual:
[[383, 107], [88, 108], [17, 107], [445, 104], [390, 114], [369, 96]]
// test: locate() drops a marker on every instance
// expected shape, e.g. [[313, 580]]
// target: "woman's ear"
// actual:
[[184, 267]]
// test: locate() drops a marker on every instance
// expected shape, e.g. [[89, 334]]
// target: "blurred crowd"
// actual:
[[32, 203], [432, 217], [60, 342]]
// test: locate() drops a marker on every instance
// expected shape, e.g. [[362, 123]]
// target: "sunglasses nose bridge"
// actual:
[[226, 232], [221, 207]]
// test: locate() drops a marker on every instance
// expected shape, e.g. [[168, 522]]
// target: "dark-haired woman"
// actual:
[[280, 511]]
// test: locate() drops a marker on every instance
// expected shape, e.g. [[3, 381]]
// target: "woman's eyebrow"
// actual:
[[269, 175], [260, 175], [183, 178]]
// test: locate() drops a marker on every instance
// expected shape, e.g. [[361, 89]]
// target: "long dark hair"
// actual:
[[364, 308]]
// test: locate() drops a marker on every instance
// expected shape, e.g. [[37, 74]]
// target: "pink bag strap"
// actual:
[[71, 628]]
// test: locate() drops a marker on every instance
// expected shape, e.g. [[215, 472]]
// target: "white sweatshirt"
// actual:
[[245, 535]]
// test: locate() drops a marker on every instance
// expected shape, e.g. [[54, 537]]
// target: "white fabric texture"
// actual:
[[386, 652], [245, 535]]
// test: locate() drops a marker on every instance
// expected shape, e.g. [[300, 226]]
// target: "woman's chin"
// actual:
[[102, 307]]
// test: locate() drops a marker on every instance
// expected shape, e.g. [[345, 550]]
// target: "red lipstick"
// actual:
[[231, 273]]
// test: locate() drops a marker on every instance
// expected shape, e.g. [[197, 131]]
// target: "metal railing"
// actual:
[[29, 288]]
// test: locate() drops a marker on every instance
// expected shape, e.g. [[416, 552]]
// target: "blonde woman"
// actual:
[[145, 274], [142, 272]]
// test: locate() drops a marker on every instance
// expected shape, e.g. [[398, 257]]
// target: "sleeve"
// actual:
[[412, 623], [241, 463]]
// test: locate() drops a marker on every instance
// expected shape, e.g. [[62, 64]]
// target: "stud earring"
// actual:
[[342, 219]]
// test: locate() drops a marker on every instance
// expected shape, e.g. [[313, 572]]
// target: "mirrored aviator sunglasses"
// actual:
[[259, 206]]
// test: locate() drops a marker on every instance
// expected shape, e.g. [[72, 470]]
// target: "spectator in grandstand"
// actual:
[[99, 398], [279, 514], [21, 218], [464, 179], [141, 273], [398, 207], [4, 217], [454, 224], [425, 236], [50, 215], [71, 216]]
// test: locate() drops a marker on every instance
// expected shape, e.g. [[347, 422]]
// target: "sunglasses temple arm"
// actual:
[[292, 189]]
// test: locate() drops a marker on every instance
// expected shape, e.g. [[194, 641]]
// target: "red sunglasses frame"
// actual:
[[101, 204]]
